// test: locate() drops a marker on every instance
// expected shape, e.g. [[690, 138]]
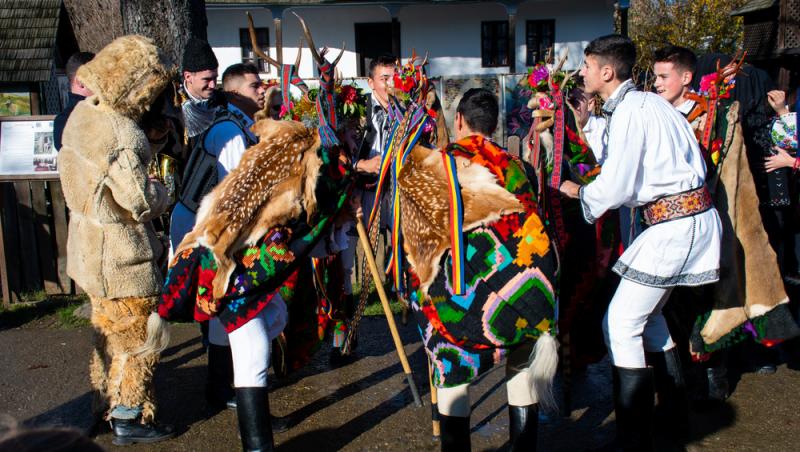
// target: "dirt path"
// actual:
[[363, 406]]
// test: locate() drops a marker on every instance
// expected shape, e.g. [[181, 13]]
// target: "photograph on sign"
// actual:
[[27, 147], [15, 104]]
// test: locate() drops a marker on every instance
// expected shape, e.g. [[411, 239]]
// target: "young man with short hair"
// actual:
[[500, 293], [198, 88], [223, 143], [367, 164], [674, 71], [654, 163]]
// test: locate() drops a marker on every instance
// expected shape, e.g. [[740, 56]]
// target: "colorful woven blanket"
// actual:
[[508, 269], [261, 270]]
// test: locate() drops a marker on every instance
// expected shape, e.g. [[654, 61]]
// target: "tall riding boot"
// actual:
[[672, 411], [454, 433], [524, 427], [633, 405], [252, 409], [219, 385]]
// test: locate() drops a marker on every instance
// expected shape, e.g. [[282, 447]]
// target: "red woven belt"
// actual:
[[672, 207]]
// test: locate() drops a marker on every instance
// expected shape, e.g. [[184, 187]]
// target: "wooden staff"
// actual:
[[434, 402], [362, 235]]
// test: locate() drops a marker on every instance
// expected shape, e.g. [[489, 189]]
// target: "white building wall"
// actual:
[[451, 34]]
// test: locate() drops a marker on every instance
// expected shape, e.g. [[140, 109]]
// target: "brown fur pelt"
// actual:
[[119, 374], [425, 206], [273, 184], [750, 282]]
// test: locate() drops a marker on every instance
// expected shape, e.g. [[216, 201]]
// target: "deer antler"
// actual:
[[560, 63], [256, 49], [424, 60], [316, 54], [732, 67]]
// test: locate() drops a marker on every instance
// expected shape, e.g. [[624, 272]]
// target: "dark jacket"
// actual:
[[61, 119], [755, 114], [370, 134], [368, 140]]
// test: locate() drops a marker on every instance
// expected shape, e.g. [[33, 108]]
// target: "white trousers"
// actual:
[[634, 324], [454, 401], [251, 342]]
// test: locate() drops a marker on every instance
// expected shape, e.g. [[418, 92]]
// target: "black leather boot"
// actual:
[[219, 385], [672, 410], [523, 423], [255, 428], [454, 432], [633, 404], [718, 386], [131, 431]]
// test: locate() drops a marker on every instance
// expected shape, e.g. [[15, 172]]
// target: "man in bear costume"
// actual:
[[112, 249]]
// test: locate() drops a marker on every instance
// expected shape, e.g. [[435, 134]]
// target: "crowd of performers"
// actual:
[[498, 257]]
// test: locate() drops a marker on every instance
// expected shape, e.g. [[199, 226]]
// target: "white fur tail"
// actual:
[[542, 371], [157, 336]]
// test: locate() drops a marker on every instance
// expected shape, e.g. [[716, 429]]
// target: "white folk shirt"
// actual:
[[652, 152]]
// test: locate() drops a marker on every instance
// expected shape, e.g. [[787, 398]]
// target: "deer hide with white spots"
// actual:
[[425, 206], [273, 184]]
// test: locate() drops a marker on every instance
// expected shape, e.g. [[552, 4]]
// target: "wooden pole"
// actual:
[[434, 402], [362, 235]]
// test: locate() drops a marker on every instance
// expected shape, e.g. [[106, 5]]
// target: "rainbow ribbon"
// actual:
[[456, 224], [326, 106], [385, 170], [289, 77], [397, 251]]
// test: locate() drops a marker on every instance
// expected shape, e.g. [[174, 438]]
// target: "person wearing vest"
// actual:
[[654, 163], [217, 151], [367, 164]]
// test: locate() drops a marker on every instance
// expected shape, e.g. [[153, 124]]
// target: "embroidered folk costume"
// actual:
[[749, 300], [470, 253], [559, 150], [652, 163], [249, 250]]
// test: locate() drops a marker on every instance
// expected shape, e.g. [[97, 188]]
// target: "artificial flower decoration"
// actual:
[[537, 77], [708, 86], [350, 106], [409, 80]]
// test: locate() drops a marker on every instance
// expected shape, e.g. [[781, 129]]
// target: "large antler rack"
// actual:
[[279, 50], [319, 56]]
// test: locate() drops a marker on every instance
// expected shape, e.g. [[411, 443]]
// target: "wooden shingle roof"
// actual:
[[753, 6], [27, 39]]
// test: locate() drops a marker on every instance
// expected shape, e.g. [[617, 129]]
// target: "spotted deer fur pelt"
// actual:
[[273, 184], [425, 204]]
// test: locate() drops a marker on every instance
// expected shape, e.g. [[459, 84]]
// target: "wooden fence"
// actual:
[[33, 237]]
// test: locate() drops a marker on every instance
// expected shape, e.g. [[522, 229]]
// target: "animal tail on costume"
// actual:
[[542, 371], [157, 336]]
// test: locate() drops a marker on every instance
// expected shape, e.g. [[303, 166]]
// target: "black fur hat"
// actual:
[[198, 56]]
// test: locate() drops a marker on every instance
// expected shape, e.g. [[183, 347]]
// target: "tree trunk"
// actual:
[[170, 23]]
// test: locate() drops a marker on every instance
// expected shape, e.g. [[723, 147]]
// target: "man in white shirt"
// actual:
[[653, 162], [222, 147]]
